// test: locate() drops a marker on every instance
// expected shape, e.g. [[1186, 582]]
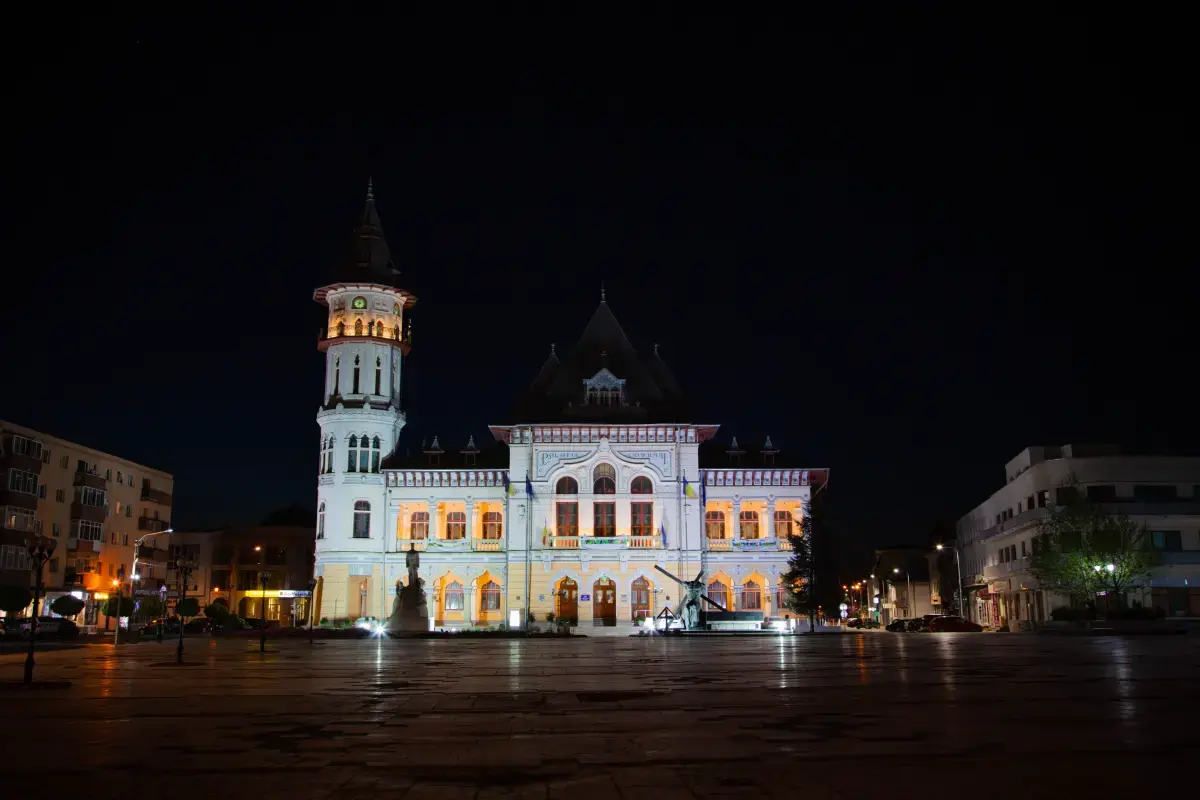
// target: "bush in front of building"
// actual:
[[14, 599], [150, 607], [109, 608], [67, 605], [188, 607], [217, 612], [1068, 614]]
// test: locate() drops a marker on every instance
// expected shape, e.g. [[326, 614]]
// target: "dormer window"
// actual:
[[603, 389]]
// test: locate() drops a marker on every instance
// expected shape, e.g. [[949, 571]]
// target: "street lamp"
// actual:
[[40, 550], [958, 564], [263, 577], [908, 597], [184, 567]]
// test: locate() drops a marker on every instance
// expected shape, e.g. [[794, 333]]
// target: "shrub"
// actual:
[[217, 612], [324, 621], [550, 616], [67, 606], [188, 607], [1136, 614], [109, 609], [14, 598], [150, 607]]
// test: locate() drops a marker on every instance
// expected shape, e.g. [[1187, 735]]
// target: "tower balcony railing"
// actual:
[[328, 337]]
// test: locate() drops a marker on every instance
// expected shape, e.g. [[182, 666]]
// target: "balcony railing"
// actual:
[[85, 512], [452, 545], [90, 479], [326, 338], [726, 545], [155, 496], [604, 542], [152, 525]]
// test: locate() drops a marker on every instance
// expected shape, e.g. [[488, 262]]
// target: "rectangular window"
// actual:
[[454, 598], [493, 527], [27, 447], [54, 529], [54, 565], [749, 524], [1022, 548], [566, 519], [1155, 494], [1029, 503], [60, 496], [605, 519], [456, 525], [64, 462], [88, 531], [783, 524], [125, 540], [714, 524], [21, 481], [418, 527], [91, 497], [1171, 541], [18, 519], [1102, 493], [642, 516]]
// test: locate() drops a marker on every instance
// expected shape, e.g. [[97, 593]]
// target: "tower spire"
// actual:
[[370, 190], [602, 293]]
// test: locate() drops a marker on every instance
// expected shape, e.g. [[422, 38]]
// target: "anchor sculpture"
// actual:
[[689, 605]]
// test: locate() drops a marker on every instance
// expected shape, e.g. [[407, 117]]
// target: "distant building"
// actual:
[[95, 504], [902, 583], [230, 562], [596, 479], [1160, 492]]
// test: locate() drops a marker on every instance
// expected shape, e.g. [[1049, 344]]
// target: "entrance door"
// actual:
[[604, 602], [566, 601], [640, 598]]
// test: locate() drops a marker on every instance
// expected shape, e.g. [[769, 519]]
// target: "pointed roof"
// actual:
[[369, 259]]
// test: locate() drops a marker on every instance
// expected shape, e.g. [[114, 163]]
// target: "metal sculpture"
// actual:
[[689, 605]]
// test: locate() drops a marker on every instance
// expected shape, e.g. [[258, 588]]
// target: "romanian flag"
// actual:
[[662, 530], [528, 487], [509, 489], [688, 491]]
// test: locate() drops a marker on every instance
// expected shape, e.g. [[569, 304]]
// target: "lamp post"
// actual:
[[908, 593], [263, 577], [958, 565], [133, 573], [120, 579], [40, 549], [312, 588], [185, 567]]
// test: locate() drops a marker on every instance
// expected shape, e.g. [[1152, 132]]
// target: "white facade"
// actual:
[[1160, 492]]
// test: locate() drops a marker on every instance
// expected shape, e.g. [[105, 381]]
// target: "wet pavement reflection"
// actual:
[[834, 715]]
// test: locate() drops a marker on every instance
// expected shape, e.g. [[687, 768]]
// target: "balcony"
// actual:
[[149, 553], [453, 545], [1001, 571], [604, 542], [324, 339], [1173, 558], [90, 479], [152, 525], [155, 496], [9, 497], [82, 546], [85, 512], [742, 545]]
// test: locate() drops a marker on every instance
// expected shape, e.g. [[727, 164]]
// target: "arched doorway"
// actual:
[[566, 600], [604, 602], [640, 592]]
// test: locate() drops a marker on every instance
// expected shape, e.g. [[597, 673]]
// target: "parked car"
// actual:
[[170, 627], [953, 624], [870, 623], [898, 625], [51, 626], [921, 624], [198, 625]]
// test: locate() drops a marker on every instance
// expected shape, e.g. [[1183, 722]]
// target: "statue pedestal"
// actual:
[[409, 613]]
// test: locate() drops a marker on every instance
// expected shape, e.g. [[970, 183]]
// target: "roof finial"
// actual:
[[552, 350], [370, 190], [602, 293], [656, 348]]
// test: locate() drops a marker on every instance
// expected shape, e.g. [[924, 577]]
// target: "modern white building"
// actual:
[[1160, 492], [599, 478]]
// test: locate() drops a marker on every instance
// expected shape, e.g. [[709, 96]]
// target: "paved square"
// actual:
[[986, 715]]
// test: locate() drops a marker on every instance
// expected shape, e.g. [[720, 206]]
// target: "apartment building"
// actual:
[[95, 504], [1160, 492]]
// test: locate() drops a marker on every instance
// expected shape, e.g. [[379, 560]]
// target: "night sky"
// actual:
[[905, 244]]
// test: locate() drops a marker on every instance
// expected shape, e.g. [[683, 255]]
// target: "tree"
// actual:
[[1081, 550], [109, 608], [187, 607], [217, 612], [800, 583], [67, 606], [150, 607], [14, 599]]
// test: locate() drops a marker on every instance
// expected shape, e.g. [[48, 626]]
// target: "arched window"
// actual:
[[639, 596], [352, 461], [329, 454], [493, 527], [379, 329], [751, 597], [341, 329], [321, 521], [642, 513], [489, 598], [337, 376], [784, 524], [714, 524], [378, 374], [452, 599], [375, 454], [358, 327], [716, 590], [418, 526], [566, 486], [354, 390], [362, 519], [456, 525], [749, 524], [604, 479], [396, 333]]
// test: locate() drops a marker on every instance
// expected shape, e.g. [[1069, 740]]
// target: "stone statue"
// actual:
[[410, 612]]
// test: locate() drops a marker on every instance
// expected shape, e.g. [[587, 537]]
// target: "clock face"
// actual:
[[396, 309], [360, 302]]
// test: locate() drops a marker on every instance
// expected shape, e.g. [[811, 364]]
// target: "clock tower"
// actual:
[[365, 339]]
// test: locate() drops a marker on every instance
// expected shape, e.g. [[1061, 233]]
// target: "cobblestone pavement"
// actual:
[[908, 715]]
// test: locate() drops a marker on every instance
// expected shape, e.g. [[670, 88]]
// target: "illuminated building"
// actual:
[[96, 504], [598, 479]]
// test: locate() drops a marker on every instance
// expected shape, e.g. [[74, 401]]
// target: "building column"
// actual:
[[736, 515], [471, 523], [468, 603], [770, 523]]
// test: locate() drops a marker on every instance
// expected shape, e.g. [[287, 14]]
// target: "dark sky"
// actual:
[[905, 243]]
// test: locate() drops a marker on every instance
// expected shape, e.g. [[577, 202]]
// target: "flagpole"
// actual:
[[529, 537]]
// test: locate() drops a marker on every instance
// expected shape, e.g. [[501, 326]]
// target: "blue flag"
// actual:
[[662, 529], [509, 489], [703, 491], [688, 491], [528, 486]]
